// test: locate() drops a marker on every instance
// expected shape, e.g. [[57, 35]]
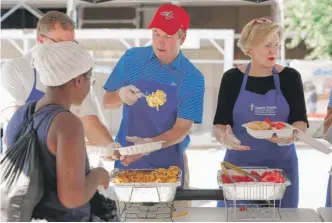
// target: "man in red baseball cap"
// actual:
[[158, 69], [170, 19], [169, 26]]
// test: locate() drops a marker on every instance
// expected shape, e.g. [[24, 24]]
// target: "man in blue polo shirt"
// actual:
[[146, 70]]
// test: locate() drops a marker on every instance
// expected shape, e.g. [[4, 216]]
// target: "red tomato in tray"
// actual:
[[277, 171], [255, 173], [243, 208], [267, 120], [275, 177], [225, 179], [267, 176], [248, 179], [238, 178], [266, 173], [279, 179], [280, 125]]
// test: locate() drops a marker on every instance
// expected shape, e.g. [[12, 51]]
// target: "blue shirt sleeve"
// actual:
[[191, 98], [117, 78], [330, 101]]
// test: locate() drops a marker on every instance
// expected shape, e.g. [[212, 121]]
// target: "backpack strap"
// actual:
[[32, 113]]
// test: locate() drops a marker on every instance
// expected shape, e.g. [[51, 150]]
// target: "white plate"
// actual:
[[100, 151], [129, 150], [266, 134], [140, 148]]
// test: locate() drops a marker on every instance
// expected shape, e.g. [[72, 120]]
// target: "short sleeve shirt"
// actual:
[[190, 83], [189, 79]]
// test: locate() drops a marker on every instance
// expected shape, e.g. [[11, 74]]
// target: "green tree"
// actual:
[[311, 20]]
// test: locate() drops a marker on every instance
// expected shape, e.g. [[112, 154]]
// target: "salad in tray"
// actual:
[[274, 176], [244, 175], [252, 183]]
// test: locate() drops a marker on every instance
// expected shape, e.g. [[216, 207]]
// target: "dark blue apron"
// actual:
[[34, 95], [249, 107], [146, 122]]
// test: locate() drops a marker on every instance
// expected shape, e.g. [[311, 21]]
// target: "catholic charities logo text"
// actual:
[[263, 110]]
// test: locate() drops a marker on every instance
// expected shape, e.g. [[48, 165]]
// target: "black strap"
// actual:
[[32, 113]]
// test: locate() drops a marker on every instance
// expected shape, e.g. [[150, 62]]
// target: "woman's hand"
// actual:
[[226, 137], [126, 160], [103, 177], [284, 141]]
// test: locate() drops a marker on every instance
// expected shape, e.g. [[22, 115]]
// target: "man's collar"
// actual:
[[175, 64]]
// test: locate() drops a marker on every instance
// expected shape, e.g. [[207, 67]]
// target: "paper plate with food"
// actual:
[[267, 128]]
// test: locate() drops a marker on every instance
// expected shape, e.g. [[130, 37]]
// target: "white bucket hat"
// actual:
[[58, 63]]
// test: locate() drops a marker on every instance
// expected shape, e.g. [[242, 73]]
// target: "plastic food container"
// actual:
[[253, 190], [129, 150], [142, 192], [266, 134]]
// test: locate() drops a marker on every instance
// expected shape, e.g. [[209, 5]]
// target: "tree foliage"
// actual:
[[311, 21]]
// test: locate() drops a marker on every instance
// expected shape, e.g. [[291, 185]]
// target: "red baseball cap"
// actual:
[[170, 18]]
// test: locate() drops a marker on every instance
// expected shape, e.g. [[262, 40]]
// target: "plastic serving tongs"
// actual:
[[239, 170], [243, 172], [225, 171]]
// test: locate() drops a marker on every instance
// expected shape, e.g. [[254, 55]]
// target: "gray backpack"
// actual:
[[21, 177]]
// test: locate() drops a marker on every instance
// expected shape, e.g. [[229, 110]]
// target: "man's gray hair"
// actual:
[[47, 22]]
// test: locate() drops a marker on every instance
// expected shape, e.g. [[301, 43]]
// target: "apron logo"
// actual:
[[167, 14], [263, 110], [252, 107], [173, 84]]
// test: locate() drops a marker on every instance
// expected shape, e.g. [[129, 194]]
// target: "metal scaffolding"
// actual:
[[124, 35], [75, 9]]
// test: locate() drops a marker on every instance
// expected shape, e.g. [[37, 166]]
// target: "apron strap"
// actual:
[[245, 77], [276, 79], [35, 79]]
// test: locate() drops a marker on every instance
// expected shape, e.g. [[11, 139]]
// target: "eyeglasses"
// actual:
[[53, 40], [88, 75]]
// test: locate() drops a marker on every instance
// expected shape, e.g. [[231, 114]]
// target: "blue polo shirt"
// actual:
[[330, 101], [189, 80]]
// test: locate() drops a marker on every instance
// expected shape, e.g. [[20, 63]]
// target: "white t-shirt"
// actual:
[[16, 83]]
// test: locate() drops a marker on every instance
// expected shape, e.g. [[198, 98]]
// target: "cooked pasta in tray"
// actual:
[[160, 175], [143, 185]]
